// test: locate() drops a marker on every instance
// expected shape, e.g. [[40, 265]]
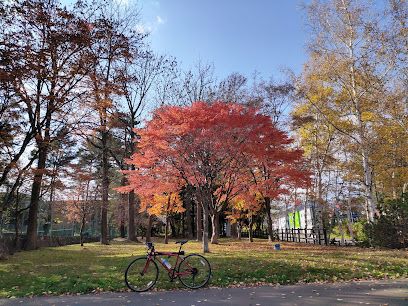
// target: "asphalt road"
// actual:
[[387, 292]]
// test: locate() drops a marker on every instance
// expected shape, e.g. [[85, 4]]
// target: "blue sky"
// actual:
[[234, 35]]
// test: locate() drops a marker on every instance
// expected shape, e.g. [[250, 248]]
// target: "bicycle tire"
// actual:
[[204, 262], [150, 284]]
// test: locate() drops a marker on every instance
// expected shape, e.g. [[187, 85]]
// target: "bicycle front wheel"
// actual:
[[194, 271], [141, 274]]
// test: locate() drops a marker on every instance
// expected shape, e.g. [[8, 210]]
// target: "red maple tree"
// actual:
[[210, 146]]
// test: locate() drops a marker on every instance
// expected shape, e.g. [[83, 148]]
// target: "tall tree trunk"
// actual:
[[132, 206], [234, 232], [367, 211], [124, 200], [16, 227], [250, 233], [364, 146], [368, 187], [269, 218], [166, 229], [239, 230], [199, 222], [350, 213], [188, 218], [341, 230], [319, 207], [31, 240], [52, 191], [174, 231], [215, 221], [1, 222], [105, 188], [350, 228], [181, 229], [122, 229], [81, 230], [43, 143], [206, 249], [149, 229]]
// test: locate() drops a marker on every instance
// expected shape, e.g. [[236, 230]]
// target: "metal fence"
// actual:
[[66, 229], [315, 236]]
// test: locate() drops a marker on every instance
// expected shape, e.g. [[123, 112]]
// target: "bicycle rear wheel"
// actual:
[[195, 271], [141, 275]]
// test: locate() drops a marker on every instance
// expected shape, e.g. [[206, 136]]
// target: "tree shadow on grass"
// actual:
[[73, 269]]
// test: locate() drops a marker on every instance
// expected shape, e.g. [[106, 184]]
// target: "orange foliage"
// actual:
[[244, 206], [227, 148]]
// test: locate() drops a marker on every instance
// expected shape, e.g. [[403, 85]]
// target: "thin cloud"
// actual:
[[160, 20], [150, 27], [143, 29]]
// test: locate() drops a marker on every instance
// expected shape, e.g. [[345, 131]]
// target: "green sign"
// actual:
[[294, 219]]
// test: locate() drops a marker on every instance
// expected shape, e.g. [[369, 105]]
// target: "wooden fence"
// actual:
[[315, 236]]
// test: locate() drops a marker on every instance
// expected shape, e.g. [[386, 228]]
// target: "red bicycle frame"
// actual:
[[152, 256]]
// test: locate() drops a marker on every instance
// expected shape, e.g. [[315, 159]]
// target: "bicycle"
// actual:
[[193, 271]]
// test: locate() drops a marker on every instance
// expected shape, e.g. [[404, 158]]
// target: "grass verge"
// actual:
[[94, 267]]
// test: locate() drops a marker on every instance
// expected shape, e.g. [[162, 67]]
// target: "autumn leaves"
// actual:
[[233, 156]]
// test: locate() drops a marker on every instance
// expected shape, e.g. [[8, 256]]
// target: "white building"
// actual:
[[295, 217]]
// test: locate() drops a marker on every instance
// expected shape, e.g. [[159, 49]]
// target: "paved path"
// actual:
[[391, 292]]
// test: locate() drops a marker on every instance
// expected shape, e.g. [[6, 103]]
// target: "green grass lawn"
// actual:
[[94, 267]]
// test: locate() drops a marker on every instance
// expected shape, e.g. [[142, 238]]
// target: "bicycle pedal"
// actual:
[[172, 278]]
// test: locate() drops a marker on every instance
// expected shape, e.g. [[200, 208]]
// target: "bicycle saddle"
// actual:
[[182, 241]]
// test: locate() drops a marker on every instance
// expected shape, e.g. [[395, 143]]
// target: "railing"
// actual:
[[315, 236], [256, 233]]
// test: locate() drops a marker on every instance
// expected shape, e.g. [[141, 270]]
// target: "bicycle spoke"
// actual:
[[141, 274], [194, 271]]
